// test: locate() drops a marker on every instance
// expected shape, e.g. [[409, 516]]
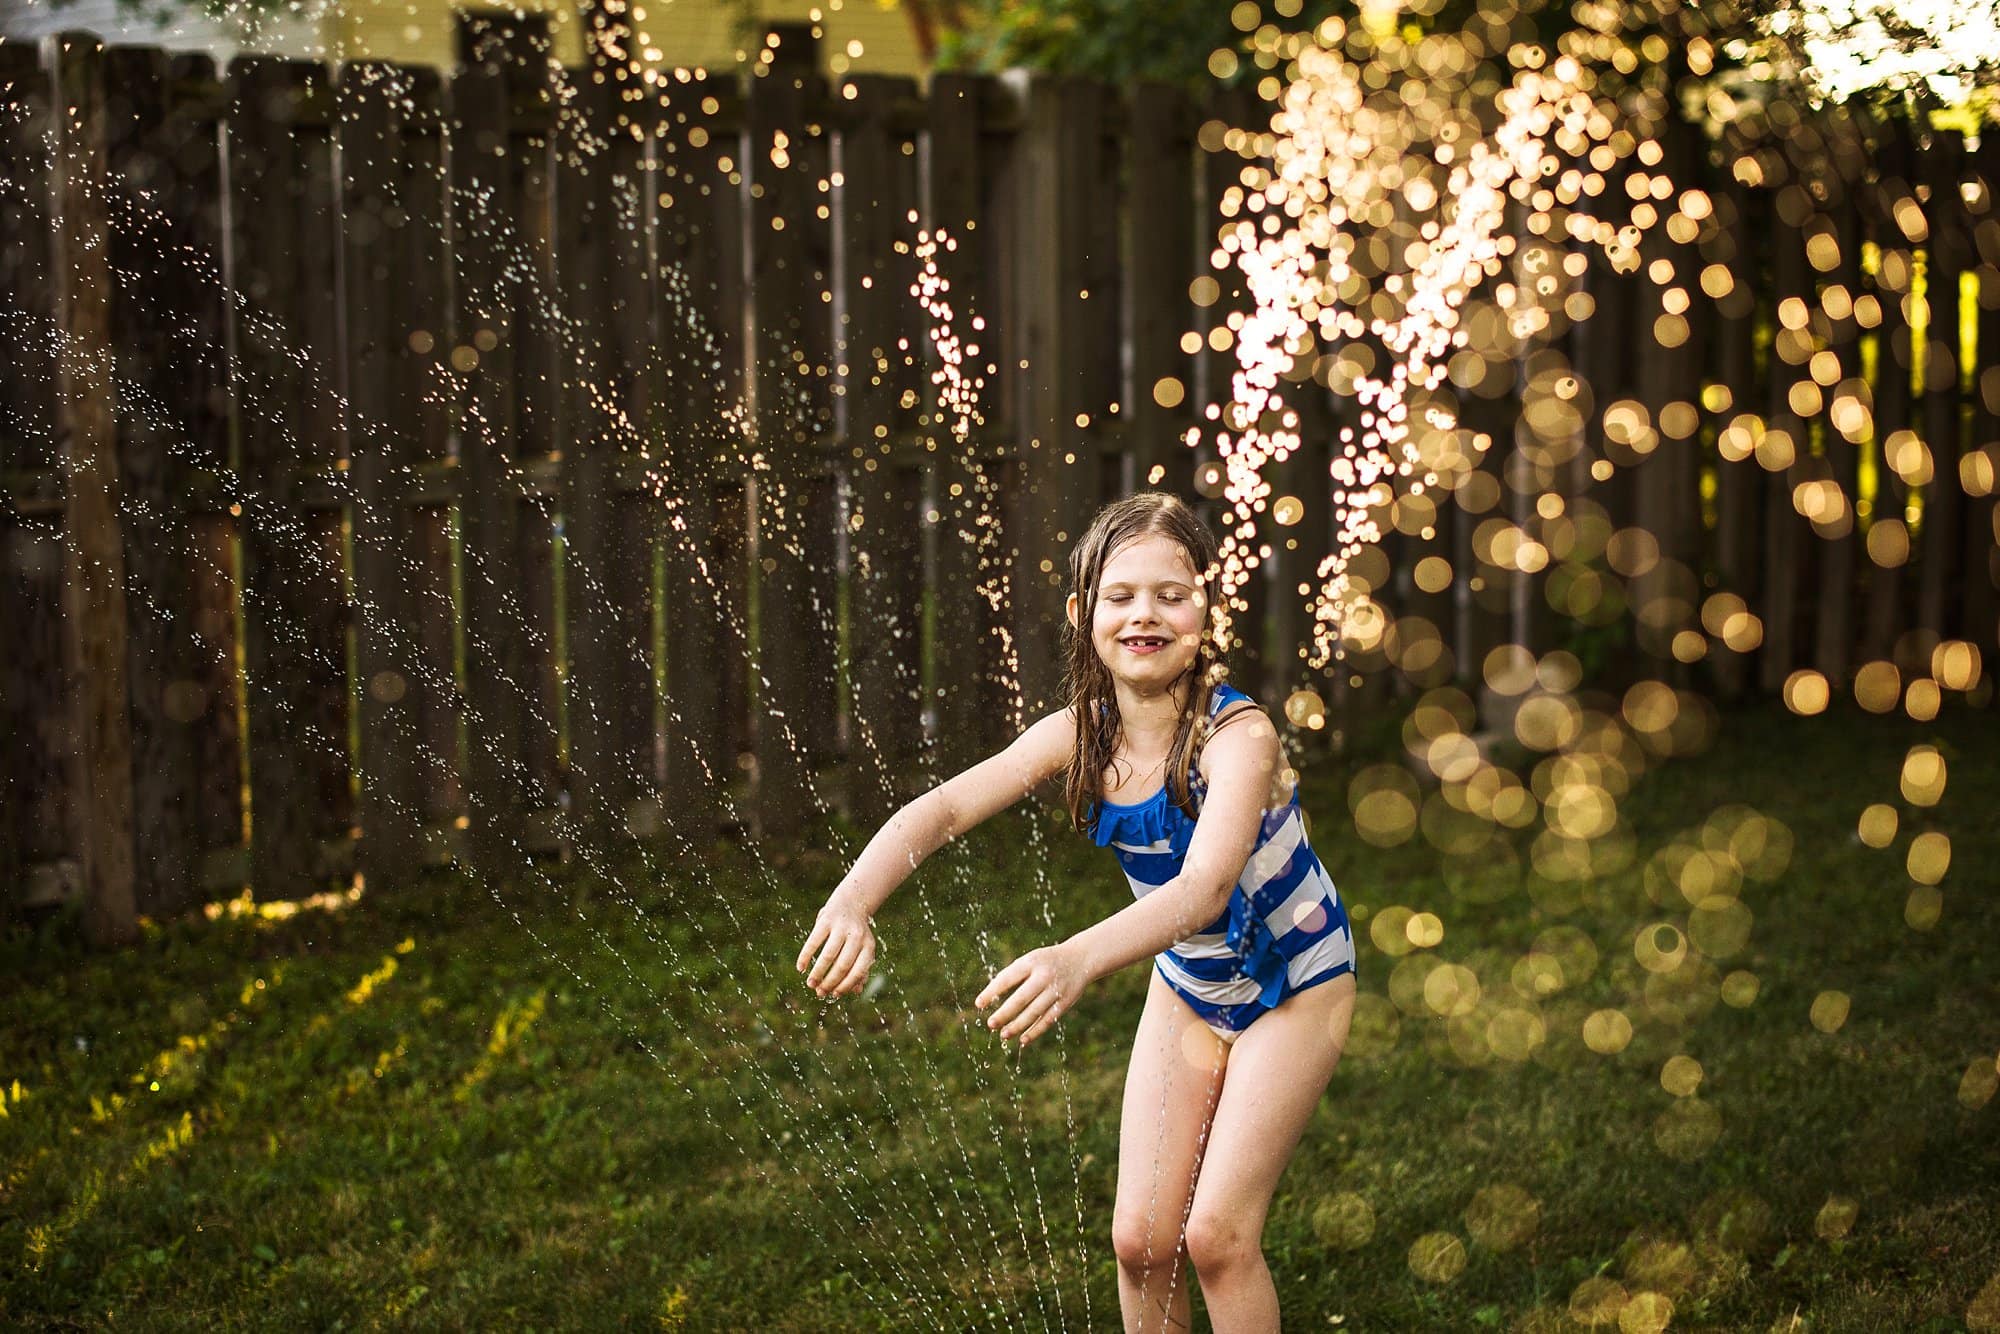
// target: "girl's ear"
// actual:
[[1070, 609]]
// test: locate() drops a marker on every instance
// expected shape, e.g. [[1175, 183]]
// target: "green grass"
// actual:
[[577, 1104]]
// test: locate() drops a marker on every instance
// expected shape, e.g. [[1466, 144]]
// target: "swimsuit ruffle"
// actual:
[[1251, 940], [1249, 937], [1144, 825]]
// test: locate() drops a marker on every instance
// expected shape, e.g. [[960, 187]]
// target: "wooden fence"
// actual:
[[402, 467]]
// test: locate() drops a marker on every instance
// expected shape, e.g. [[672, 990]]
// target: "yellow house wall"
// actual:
[[859, 36], [423, 32]]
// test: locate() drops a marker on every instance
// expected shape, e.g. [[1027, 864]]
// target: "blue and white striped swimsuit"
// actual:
[[1284, 930]]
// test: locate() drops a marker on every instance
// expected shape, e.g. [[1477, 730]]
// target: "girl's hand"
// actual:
[[845, 939], [1046, 982]]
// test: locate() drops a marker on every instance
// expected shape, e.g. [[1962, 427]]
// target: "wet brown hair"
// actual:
[[1087, 685]]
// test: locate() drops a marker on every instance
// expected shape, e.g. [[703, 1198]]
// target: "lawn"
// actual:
[[600, 1099]]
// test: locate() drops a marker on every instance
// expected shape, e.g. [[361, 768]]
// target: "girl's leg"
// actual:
[[1170, 1097], [1277, 1071]]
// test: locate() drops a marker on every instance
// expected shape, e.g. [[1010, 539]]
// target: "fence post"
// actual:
[[94, 640]]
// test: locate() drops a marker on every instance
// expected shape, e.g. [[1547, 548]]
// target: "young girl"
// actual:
[[1185, 779]]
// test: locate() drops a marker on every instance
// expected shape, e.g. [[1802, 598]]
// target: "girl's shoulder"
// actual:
[[1226, 706]]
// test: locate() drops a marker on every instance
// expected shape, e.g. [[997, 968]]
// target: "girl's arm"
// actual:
[[959, 803], [1241, 764]]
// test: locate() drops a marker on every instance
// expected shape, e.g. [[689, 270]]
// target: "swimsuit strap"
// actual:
[[1221, 698], [1224, 696]]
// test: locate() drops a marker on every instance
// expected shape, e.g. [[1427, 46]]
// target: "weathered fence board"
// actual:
[[1067, 338], [1738, 482], [1982, 472], [39, 797], [285, 225], [1947, 252], [1667, 484], [1218, 293], [1840, 538], [879, 339], [1888, 545], [422, 405], [1161, 256], [379, 443], [541, 430], [971, 696], [1785, 532], [94, 604], [699, 361], [792, 485], [608, 526], [484, 202], [167, 324]]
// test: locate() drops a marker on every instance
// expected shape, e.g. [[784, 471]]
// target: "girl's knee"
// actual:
[[1217, 1243], [1141, 1244]]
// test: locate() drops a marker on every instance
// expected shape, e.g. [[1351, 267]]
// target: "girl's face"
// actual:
[[1148, 622]]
